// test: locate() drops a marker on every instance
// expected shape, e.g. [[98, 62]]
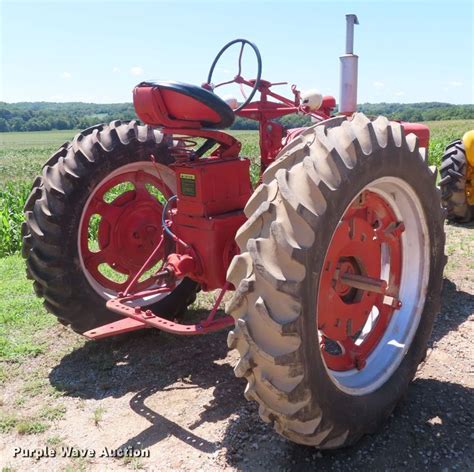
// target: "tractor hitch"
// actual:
[[150, 320], [167, 277], [136, 317]]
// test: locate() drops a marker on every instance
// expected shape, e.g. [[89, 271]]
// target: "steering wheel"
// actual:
[[238, 78]]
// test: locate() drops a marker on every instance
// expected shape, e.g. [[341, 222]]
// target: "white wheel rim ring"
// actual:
[[161, 172], [391, 349]]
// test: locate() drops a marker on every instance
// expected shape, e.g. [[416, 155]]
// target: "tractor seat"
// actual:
[[179, 105]]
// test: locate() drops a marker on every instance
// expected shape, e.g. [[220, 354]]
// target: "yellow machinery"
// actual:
[[457, 179]]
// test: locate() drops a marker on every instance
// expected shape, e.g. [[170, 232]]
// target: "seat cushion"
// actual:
[[179, 105]]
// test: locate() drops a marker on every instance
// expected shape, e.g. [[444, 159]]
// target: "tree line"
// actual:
[[43, 116]]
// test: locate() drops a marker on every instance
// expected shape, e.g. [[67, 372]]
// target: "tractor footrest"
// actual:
[[149, 319]]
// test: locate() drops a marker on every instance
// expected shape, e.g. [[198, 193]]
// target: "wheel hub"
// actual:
[[345, 266], [128, 231], [360, 282], [136, 233]]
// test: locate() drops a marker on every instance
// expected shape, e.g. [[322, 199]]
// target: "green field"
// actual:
[[22, 155]]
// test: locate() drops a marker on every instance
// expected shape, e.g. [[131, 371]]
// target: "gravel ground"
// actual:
[[178, 398]]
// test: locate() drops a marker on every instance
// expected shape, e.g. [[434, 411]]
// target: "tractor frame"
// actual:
[[211, 194]]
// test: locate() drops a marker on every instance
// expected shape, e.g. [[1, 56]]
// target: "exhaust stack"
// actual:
[[348, 92]]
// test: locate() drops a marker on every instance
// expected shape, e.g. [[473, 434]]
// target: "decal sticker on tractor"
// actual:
[[188, 184]]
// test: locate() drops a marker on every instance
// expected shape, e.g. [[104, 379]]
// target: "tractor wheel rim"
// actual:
[[364, 333], [129, 228]]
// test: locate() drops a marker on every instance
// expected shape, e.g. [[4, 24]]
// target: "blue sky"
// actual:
[[96, 51]]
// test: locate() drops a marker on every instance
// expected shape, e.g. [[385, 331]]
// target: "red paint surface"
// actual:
[[356, 248]]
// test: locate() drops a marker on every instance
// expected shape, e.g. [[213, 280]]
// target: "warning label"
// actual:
[[188, 184]]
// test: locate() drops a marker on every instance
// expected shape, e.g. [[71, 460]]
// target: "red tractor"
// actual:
[[335, 259]]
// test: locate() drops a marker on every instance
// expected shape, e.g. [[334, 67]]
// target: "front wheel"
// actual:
[[338, 280]]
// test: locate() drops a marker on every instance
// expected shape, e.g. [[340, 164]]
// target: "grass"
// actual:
[[35, 387], [31, 426], [23, 154], [12, 200], [7, 422], [79, 464], [54, 440], [134, 463], [98, 415], [21, 314], [442, 133], [52, 413], [23, 426], [43, 416], [21, 157], [3, 374]]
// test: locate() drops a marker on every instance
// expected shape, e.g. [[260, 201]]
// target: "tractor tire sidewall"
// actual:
[[339, 407], [292, 218], [454, 167], [70, 296], [91, 301]]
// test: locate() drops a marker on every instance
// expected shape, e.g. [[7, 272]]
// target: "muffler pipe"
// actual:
[[348, 91]]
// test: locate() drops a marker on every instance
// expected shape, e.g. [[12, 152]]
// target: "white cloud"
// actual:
[[115, 70], [399, 93], [136, 70], [379, 85], [455, 83], [66, 75]]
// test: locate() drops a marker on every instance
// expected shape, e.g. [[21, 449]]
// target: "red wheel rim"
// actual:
[[366, 245], [128, 231]]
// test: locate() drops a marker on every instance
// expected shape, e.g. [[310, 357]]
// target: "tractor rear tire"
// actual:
[[53, 214], [292, 218], [453, 183]]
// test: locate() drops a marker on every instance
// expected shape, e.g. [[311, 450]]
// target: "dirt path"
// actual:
[[178, 398]]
